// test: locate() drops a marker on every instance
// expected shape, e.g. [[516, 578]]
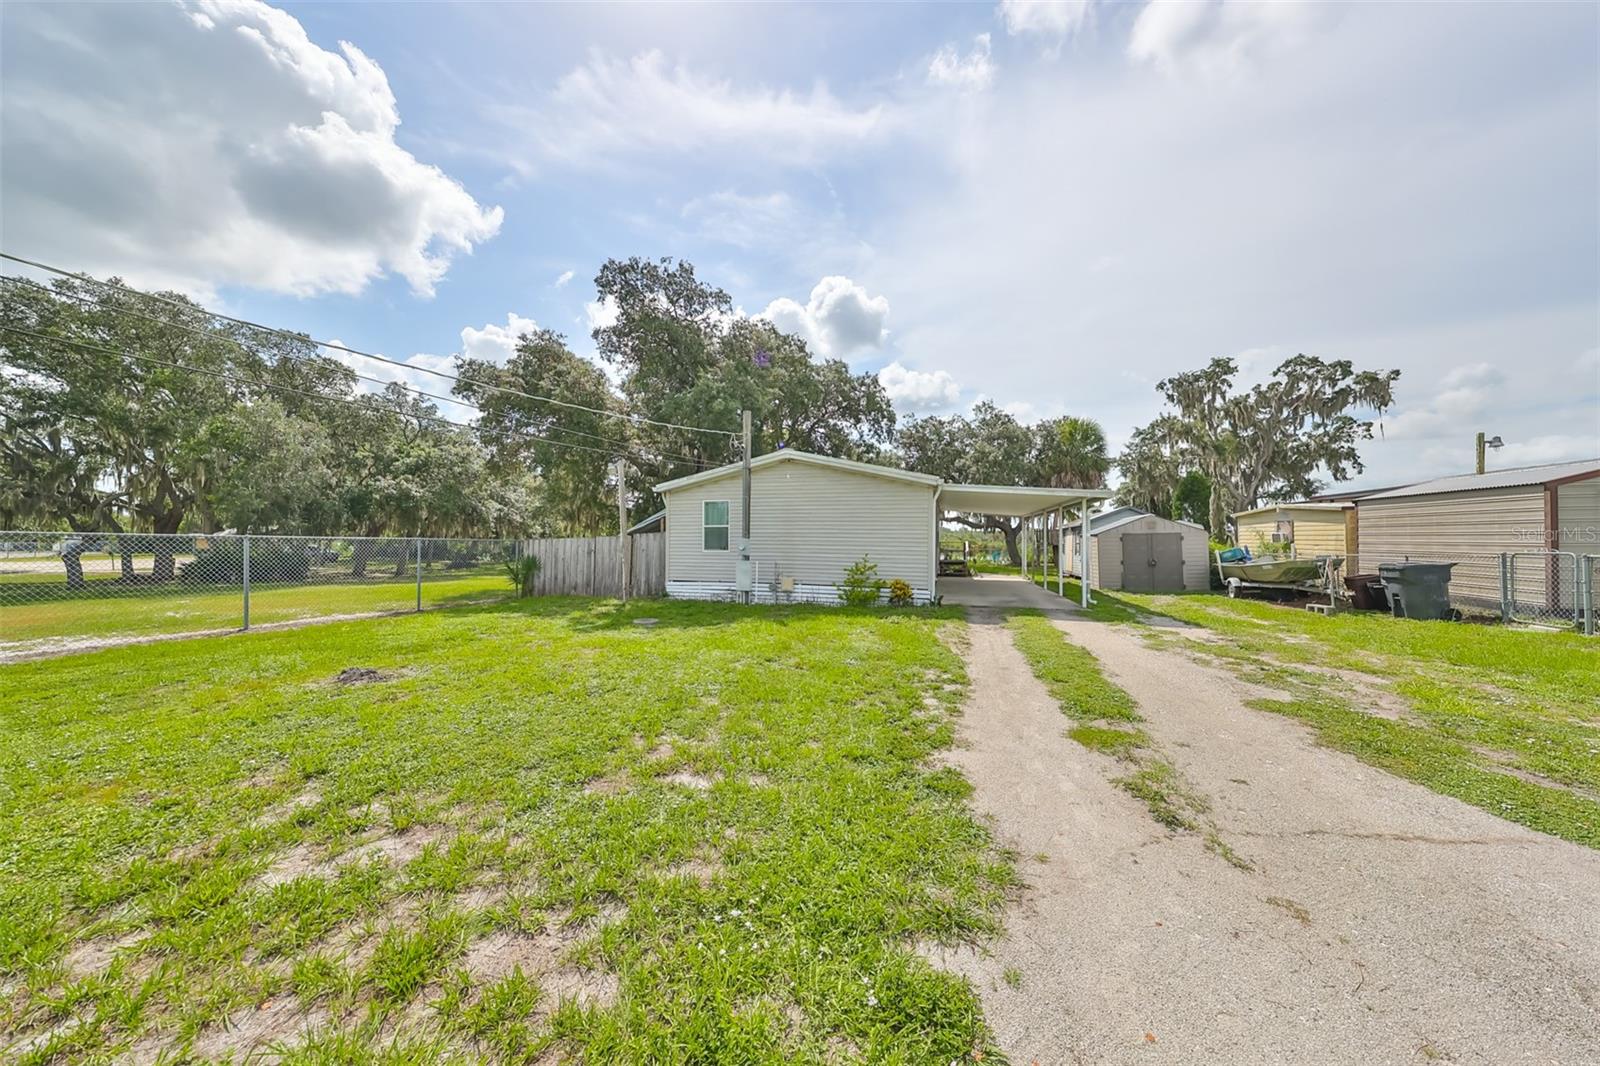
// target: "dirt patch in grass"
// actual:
[[689, 779], [253, 1034], [88, 957], [306, 798], [696, 869], [359, 675], [302, 860], [398, 848], [588, 988], [498, 954], [613, 785]]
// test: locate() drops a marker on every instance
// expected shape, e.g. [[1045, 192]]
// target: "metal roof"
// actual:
[[649, 525], [1292, 505], [1016, 501], [1495, 479], [1097, 522], [1012, 500], [1095, 529], [790, 455]]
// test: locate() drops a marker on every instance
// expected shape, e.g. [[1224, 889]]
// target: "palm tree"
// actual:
[[1071, 453]]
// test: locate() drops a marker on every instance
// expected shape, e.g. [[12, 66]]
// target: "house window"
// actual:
[[714, 525]]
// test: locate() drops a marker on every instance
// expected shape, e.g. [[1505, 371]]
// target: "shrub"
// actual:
[[222, 562], [862, 586], [522, 573], [900, 593]]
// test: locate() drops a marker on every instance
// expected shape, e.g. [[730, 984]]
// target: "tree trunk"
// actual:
[[359, 552], [126, 547], [1219, 520], [162, 568], [1011, 530], [74, 564]]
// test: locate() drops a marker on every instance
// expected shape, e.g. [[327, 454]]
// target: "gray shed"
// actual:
[[1137, 551]]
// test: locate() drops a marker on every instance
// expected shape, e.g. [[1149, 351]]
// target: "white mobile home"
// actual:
[[812, 516]]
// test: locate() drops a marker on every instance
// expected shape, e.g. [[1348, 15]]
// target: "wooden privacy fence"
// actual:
[[591, 566]]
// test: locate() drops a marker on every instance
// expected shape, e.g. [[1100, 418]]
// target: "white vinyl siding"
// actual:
[[808, 522]]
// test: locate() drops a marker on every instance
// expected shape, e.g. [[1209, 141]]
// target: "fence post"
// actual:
[[245, 570], [1505, 589], [419, 573]]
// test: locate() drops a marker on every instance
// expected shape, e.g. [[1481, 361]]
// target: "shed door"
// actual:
[[1152, 562]]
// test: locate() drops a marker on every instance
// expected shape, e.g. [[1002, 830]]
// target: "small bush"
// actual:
[[222, 562], [522, 573], [862, 587], [900, 593]]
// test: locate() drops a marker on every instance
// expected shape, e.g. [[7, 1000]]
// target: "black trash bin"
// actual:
[[1418, 590]]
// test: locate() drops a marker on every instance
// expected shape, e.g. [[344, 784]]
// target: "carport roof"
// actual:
[[1014, 501]]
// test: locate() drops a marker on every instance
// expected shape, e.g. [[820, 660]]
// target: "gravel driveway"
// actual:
[[1382, 922]]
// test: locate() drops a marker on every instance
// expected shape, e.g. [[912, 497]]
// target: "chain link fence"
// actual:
[[1555, 589], [84, 589]]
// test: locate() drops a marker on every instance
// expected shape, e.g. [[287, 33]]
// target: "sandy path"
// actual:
[[1406, 926]]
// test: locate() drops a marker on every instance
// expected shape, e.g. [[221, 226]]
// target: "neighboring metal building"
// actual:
[[1136, 551], [812, 516], [1306, 528], [1472, 518]]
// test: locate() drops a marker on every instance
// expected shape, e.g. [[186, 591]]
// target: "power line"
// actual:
[[356, 351], [197, 331], [235, 380]]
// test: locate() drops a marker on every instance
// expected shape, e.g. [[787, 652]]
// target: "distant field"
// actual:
[[174, 608]]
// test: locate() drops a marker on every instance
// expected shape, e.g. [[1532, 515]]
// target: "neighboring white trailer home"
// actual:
[[812, 516], [1137, 551]]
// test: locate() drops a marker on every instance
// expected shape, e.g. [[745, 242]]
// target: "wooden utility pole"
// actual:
[[1480, 453], [626, 554], [744, 502]]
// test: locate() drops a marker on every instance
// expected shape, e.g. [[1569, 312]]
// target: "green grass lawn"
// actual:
[[541, 830], [1506, 719], [144, 610]]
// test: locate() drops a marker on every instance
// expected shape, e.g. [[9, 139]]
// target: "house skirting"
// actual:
[[764, 593]]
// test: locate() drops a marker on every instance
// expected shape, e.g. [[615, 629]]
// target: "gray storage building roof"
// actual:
[[1495, 479]]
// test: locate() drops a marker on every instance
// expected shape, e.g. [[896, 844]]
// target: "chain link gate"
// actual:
[[1543, 588]]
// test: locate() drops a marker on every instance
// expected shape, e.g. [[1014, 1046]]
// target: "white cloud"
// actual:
[[493, 342], [610, 108], [562, 279], [1217, 38], [216, 144], [838, 320], [1465, 393], [1047, 18], [744, 221], [970, 73], [919, 390], [602, 314]]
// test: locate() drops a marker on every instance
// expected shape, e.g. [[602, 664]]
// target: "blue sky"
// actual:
[[1047, 205]]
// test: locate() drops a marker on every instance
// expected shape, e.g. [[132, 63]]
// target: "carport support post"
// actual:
[[1083, 554], [1061, 555]]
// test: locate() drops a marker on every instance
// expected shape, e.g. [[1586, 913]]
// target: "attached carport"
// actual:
[[1036, 506]]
